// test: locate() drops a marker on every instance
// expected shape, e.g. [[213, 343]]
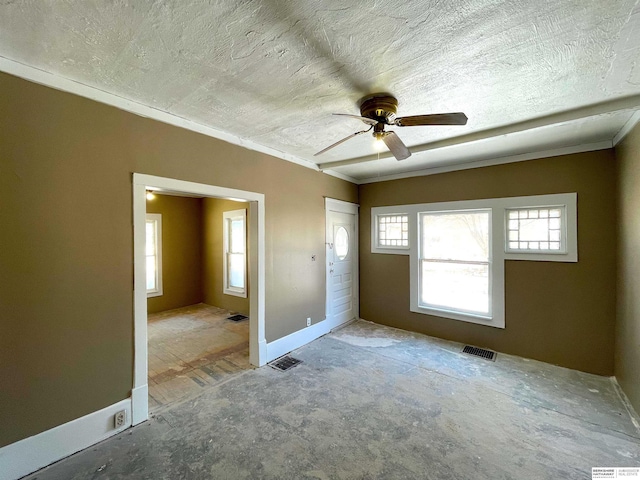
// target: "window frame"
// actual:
[[375, 243], [499, 208], [156, 219], [227, 218]]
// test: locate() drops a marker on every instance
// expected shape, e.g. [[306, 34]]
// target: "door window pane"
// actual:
[[341, 243]]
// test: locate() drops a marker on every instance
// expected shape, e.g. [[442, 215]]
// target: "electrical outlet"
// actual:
[[308, 321], [120, 418]]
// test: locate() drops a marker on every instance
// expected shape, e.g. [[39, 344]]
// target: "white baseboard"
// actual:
[[294, 340], [33, 453]]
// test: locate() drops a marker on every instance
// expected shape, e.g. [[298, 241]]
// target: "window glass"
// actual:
[[235, 246], [393, 230], [457, 235], [341, 242], [456, 286], [535, 229], [153, 254], [236, 270], [455, 271], [237, 235]]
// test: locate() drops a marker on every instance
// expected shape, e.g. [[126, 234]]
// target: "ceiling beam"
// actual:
[[608, 106]]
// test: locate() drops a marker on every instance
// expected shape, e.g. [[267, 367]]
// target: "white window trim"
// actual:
[[226, 217], [499, 207], [380, 212], [156, 218], [569, 228]]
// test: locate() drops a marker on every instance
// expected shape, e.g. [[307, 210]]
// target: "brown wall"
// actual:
[[181, 252], [213, 285], [66, 244], [562, 313], [627, 358]]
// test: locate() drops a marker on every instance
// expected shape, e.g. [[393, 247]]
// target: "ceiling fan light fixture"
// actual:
[[378, 143]]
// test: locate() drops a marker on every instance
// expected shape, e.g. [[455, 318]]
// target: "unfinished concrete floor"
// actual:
[[192, 348], [371, 402]]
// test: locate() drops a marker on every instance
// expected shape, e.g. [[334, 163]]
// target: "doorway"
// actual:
[[342, 261], [256, 274]]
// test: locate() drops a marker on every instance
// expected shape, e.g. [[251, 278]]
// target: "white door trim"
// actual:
[[256, 230], [340, 206]]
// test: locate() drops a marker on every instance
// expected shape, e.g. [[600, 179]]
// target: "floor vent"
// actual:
[[479, 352], [285, 363], [237, 318]]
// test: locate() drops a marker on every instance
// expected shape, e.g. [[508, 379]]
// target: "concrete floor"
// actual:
[[192, 348], [371, 402]]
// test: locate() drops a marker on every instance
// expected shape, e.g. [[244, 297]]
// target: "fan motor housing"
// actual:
[[381, 107]]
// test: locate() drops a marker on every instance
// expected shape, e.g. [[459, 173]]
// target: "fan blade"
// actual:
[[368, 121], [396, 146], [340, 141], [457, 118]]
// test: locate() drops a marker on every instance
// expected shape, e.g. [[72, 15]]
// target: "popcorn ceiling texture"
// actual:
[[273, 71]]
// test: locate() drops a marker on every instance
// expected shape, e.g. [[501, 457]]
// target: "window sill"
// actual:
[[463, 317], [235, 293]]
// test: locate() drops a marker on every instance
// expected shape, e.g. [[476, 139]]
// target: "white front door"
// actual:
[[342, 262]]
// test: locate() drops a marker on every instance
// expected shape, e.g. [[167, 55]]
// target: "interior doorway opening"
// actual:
[[200, 313], [197, 294]]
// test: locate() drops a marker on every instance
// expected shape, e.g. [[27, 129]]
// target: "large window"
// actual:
[[153, 252], [235, 247], [455, 261], [458, 250]]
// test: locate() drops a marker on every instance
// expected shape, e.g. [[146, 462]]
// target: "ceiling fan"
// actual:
[[379, 110]]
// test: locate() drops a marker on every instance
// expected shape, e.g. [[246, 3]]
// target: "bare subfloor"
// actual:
[[378, 403], [192, 348]]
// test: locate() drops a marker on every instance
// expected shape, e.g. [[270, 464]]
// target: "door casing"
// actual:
[[256, 262]]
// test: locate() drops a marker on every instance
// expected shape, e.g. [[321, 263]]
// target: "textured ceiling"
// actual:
[[272, 72]]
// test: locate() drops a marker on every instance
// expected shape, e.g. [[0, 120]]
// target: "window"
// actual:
[[536, 229], [390, 232], [153, 252], [455, 261], [458, 249], [393, 230], [235, 247]]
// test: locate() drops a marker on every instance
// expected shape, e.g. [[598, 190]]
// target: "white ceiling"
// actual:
[[271, 72]]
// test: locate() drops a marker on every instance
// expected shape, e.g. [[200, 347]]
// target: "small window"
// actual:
[[536, 229], [153, 253], [235, 247], [393, 231]]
